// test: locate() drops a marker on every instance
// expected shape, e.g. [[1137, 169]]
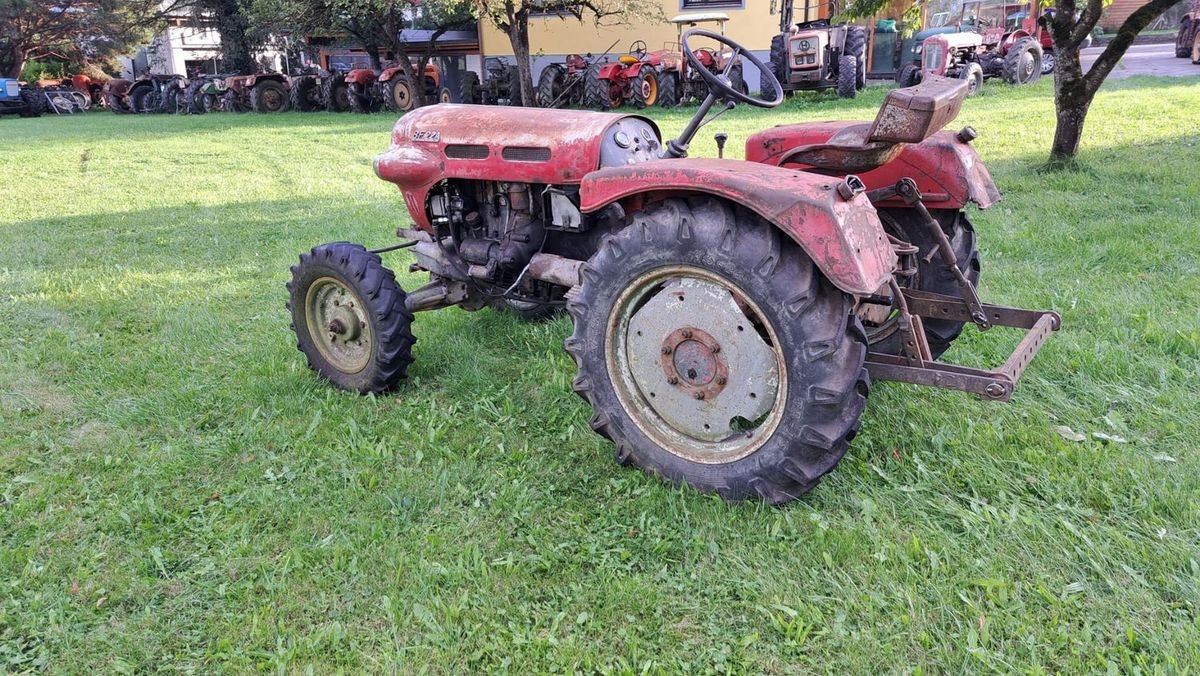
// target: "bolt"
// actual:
[[967, 134], [700, 395], [336, 326], [336, 302], [687, 334], [994, 390], [666, 349], [716, 349], [672, 380], [721, 380]]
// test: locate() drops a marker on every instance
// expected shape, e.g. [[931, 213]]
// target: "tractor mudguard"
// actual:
[[360, 76], [947, 169], [844, 238], [610, 71]]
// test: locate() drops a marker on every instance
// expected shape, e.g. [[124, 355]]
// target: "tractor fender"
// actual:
[[844, 238], [610, 71], [1012, 39], [364, 76], [389, 73], [633, 70], [947, 170]]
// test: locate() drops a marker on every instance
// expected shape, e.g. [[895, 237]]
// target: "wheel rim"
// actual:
[[1047, 64], [445, 96], [272, 99], [402, 95], [1026, 67], [649, 90], [696, 364], [338, 325]]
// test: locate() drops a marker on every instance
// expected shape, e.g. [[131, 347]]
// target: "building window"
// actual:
[[712, 4]]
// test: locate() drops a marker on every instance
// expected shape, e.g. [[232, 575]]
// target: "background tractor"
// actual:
[[152, 93], [631, 78], [261, 93], [562, 84], [1005, 41], [677, 83], [813, 55], [729, 316], [502, 86], [396, 89], [22, 101], [1187, 40]]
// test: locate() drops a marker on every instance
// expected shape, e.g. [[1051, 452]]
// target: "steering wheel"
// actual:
[[720, 83], [638, 49]]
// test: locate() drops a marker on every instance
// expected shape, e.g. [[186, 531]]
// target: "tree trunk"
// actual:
[[12, 61], [1072, 98], [373, 55], [518, 36], [235, 44]]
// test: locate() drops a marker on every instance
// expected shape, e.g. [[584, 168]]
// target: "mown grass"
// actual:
[[179, 492]]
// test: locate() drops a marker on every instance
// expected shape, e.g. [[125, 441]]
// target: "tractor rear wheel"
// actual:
[[336, 93], [35, 103], [350, 319], [643, 91], [595, 90], [779, 59], [1183, 46], [973, 73], [306, 94], [931, 275], [715, 355], [469, 90], [514, 86], [668, 90], [232, 103], [399, 92], [1023, 62], [856, 46], [550, 87], [738, 80], [269, 96], [847, 77]]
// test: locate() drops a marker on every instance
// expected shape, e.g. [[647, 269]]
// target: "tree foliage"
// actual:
[[79, 31]]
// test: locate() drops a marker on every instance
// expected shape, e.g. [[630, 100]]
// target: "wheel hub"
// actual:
[[338, 325], [706, 373]]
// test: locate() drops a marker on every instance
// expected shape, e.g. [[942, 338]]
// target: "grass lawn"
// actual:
[[179, 492]]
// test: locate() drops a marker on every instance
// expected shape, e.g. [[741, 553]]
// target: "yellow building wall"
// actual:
[[753, 25]]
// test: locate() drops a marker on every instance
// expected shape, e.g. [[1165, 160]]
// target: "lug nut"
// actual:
[[666, 349], [721, 380], [672, 380], [700, 395], [967, 134], [716, 349], [687, 334]]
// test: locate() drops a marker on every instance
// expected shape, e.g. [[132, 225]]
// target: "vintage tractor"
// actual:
[[260, 93], [23, 101], [502, 86], [679, 84], [153, 93], [562, 84], [632, 78], [814, 55], [307, 91], [1187, 40], [1004, 43], [396, 90], [729, 316]]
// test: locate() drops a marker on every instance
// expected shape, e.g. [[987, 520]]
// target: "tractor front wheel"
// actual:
[[847, 77], [399, 94], [269, 96], [973, 73], [909, 75], [715, 355], [306, 94], [643, 91], [350, 319]]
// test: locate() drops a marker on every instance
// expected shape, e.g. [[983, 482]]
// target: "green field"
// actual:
[[180, 493]]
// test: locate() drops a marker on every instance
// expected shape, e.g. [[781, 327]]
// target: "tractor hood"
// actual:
[[527, 145], [957, 40]]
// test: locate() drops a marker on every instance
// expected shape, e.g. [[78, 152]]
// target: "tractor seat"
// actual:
[[908, 115], [627, 60]]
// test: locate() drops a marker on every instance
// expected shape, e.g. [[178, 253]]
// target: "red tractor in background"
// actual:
[[1006, 41], [677, 83], [632, 78], [729, 316], [815, 55], [363, 90], [261, 93]]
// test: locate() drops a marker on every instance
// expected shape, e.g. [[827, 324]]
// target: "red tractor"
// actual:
[[729, 316], [262, 93], [679, 84], [632, 78], [1006, 42]]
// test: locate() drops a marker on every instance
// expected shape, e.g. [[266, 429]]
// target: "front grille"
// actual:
[[461, 151], [526, 154]]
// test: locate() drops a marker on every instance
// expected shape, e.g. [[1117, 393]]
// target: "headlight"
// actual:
[[917, 49]]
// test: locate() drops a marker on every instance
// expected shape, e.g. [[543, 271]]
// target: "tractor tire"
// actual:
[[766, 386], [213, 103], [445, 95], [232, 103], [847, 77], [643, 91], [1023, 62], [170, 100], [550, 87], [194, 98], [336, 93], [35, 103], [358, 100], [856, 46], [738, 80], [470, 91], [668, 90], [1183, 45], [398, 94], [698, 90], [306, 94], [973, 73], [514, 89], [932, 275], [595, 90], [113, 103], [143, 100], [909, 75], [349, 317], [779, 59], [269, 96]]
